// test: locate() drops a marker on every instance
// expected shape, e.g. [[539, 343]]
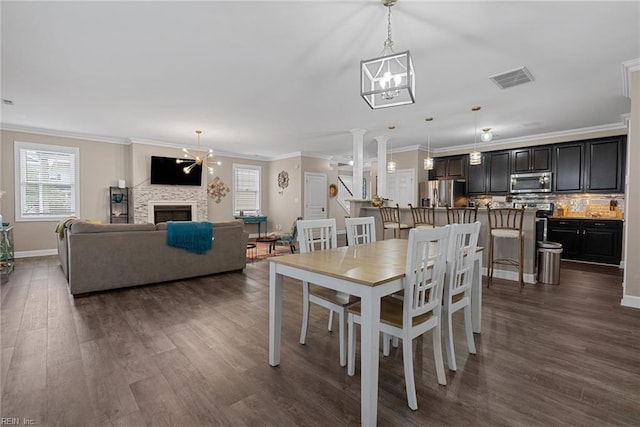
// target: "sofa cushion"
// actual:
[[86, 227]]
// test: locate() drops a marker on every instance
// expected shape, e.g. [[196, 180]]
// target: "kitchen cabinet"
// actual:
[[451, 167], [568, 168], [498, 172], [477, 177], [604, 171], [533, 159], [588, 239], [593, 166]]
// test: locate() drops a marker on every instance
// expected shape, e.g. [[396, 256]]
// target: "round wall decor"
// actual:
[[283, 179], [333, 190]]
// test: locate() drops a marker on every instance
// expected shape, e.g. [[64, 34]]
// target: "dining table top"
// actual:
[[370, 264]]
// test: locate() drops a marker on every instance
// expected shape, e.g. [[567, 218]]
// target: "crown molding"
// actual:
[[63, 134], [629, 67]]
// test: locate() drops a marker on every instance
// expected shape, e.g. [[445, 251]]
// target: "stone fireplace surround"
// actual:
[[145, 198]]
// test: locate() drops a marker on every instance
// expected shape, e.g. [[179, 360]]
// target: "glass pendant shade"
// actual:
[[391, 166], [428, 164], [486, 136], [475, 158]]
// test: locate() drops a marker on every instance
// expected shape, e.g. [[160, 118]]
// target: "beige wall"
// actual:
[[284, 204], [101, 166], [631, 295]]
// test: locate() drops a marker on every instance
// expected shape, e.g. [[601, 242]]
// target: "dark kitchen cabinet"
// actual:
[[477, 177], [588, 239], [498, 173], [568, 168], [604, 171], [452, 167], [533, 159]]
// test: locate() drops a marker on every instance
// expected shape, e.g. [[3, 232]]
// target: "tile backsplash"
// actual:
[[572, 202]]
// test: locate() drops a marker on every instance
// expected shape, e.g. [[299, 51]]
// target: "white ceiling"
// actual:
[[268, 78]]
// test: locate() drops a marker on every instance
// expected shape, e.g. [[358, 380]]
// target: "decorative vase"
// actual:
[[377, 201]]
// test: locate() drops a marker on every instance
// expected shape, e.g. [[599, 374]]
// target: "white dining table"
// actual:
[[370, 271]]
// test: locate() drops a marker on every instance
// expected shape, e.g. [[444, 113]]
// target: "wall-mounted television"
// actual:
[[166, 171]]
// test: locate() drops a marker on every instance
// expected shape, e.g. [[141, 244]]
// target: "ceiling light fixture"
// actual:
[[391, 165], [389, 79], [486, 136], [428, 162], [475, 157], [204, 158]]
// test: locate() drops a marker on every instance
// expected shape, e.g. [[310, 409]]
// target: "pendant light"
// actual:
[[391, 165], [389, 79], [486, 136], [428, 162], [475, 157]]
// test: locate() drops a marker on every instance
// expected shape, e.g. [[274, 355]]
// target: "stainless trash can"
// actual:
[[549, 265]]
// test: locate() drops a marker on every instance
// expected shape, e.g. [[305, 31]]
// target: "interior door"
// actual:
[[400, 187], [315, 195]]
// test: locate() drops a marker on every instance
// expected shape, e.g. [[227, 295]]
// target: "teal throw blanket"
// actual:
[[194, 237]]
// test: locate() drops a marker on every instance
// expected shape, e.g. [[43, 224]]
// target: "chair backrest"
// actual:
[[360, 230], [424, 271], [390, 215], [294, 230], [461, 215], [460, 258], [423, 216], [317, 234], [505, 218]]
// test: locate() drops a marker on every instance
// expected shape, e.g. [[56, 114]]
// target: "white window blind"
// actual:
[[246, 189], [46, 182]]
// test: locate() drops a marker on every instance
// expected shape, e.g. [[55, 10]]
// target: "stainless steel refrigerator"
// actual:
[[447, 192]]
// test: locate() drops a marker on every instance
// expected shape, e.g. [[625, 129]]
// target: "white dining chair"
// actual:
[[457, 289], [419, 310], [360, 230], [313, 235]]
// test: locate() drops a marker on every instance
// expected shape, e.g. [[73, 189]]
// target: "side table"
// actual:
[[6, 252], [270, 241]]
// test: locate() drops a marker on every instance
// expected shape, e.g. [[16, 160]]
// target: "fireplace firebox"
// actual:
[[164, 213]]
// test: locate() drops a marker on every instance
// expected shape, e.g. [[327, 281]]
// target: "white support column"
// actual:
[[358, 161], [382, 165]]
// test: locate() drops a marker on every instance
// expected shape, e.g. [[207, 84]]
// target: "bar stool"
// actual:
[[506, 223], [423, 216], [461, 215], [390, 217]]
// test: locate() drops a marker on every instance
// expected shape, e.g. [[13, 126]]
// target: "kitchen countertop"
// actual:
[[599, 218]]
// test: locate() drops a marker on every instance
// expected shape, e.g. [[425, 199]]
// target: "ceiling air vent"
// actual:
[[512, 78]]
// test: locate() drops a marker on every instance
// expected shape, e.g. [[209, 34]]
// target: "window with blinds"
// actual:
[[46, 182], [246, 189]]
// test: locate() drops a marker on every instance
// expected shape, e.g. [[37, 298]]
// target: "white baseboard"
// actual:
[[630, 301], [621, 266], [30, 254]]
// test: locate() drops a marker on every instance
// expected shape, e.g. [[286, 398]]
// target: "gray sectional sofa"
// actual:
[[98, 257]]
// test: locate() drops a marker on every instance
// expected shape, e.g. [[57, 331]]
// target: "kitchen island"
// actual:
[[505, 248]]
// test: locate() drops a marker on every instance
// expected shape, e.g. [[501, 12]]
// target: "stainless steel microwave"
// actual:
[[539, 182]]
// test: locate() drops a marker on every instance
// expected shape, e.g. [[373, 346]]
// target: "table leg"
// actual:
[[275, 315], [370, 306], [476, 294]]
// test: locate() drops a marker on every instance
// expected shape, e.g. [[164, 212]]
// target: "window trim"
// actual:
[[233, 183], [18, 147]]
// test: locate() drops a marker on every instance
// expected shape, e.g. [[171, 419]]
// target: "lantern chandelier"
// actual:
[[204, 158], [389, 79], [428, 162]]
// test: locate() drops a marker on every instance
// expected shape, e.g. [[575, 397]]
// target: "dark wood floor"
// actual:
[[194, 352]]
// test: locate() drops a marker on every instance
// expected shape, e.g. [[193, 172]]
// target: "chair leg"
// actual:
[[343, 337], [490, 262], [293, 249], [386, 347], [448, 339], [407, 357], [305, 312], [330, 324], [437, 354], [396, 342], [520, 262], [469, 329], [351, 346]]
